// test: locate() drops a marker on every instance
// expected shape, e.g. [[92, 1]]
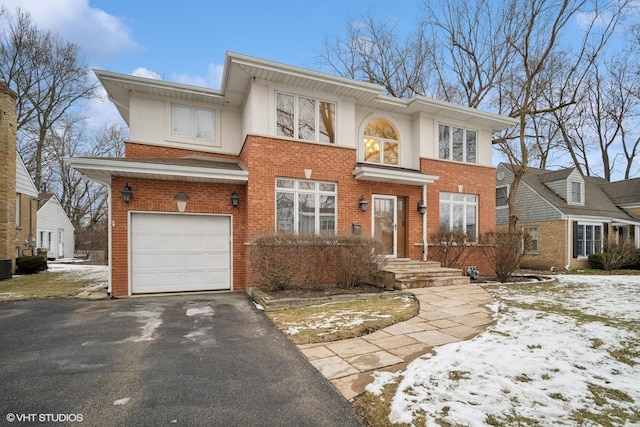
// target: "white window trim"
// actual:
[[506, 205], [382, 141], [464, 143], [296, 97], [193, 142], [570, 190], [537, 239], [296, 192], [593, 224], [451, 202], [18, 211]]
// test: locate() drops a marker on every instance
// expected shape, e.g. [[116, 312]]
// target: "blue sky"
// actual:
[[186, 41]]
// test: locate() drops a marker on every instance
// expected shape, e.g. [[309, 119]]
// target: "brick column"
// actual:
[[7, 172]]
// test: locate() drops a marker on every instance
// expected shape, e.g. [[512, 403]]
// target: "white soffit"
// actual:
[[102, 170], [378, 174]]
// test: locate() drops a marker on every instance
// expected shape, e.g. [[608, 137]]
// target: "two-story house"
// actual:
[[568, 215], [281, 149]]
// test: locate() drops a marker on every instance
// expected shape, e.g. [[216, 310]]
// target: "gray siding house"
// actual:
[[568, 215]]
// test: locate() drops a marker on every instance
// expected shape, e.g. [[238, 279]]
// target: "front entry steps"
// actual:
[[403, 273]]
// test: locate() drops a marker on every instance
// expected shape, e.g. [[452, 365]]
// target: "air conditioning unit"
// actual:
[[5, 269]]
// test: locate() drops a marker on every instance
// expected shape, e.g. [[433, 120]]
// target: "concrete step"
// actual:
[[409, 274], [431, 282]]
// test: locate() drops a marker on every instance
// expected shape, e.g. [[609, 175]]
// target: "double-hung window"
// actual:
[[533, 235], [501, 196], [18, 212], [305, 118], [576, 192], [188, 122], [459, 212], [306, 207], [588, 239], [457, 144]]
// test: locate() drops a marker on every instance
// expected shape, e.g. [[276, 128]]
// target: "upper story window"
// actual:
[[381, 142], [457, 144], [501, 196], [305, 118], [576, 192], [191, 122]]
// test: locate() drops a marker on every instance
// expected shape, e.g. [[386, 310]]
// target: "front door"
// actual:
[[385, 228]]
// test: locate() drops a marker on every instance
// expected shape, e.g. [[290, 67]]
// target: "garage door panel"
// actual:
[[174, 253]]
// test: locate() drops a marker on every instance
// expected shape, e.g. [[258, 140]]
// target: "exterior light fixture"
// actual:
[[422, 207], [126, 193], [235, 199], [362, 202]]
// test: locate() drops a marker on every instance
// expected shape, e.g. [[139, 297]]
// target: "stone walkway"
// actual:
[[447, 314]]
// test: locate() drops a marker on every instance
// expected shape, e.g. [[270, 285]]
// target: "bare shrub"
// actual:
[[275, 260], [504, 251], [357, 260], [280, 261], [451, 248], [615, 255]]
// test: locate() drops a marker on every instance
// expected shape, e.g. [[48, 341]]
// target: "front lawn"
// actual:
[[336, 320], [559, 354], [60, 281]]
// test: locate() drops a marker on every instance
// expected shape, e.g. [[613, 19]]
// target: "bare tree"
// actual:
[[373, 53], [49, 77]]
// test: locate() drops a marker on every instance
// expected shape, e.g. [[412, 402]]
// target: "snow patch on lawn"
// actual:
[[552, 350]]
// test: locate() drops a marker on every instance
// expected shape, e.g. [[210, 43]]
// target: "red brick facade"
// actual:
[[267, 158]]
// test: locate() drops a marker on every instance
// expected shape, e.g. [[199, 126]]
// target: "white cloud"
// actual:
[[101, 36], [147, 73], [213, 79]]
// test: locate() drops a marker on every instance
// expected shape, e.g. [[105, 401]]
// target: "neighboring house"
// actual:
[[568, 215], [18, 195], [26, 210], [55, 230], [281, 149]]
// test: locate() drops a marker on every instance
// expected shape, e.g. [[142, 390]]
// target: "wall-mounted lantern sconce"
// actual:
[[235, 199], [126, 193], [362, 202], [422, 207]]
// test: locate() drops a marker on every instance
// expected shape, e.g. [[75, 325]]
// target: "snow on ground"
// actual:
[[98, 273], [557, 352]]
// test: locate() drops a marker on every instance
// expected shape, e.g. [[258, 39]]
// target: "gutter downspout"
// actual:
[[425, 247], [569, 241], [109, 246]]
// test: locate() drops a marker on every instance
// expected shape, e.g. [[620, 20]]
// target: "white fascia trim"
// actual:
[[365, 173], [115, 167], [277, 67]]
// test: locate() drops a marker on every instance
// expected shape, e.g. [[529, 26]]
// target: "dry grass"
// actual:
[[345, 319], [43, 285]]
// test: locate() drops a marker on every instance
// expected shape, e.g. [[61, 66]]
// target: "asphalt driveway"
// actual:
[[176, 360]]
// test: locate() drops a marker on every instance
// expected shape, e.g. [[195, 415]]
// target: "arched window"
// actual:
[[381, 143]]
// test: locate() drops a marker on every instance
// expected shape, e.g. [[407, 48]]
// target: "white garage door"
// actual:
[[176, 253]]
